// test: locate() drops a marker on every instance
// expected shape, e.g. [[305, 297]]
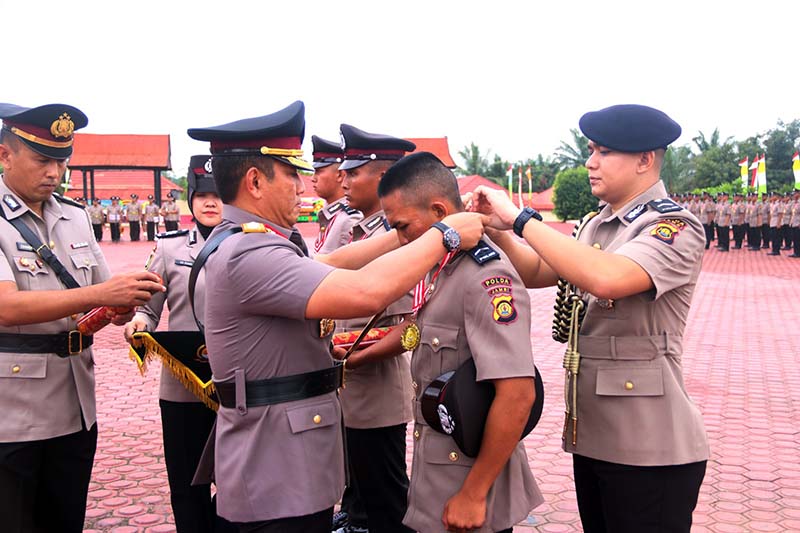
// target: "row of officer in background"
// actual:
[[769, 222], [135, 213]]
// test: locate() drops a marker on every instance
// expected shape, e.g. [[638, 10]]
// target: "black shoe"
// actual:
[[793, 255], [786, 248], [774, 253], [723, 249], [340, 520], [737, 247]]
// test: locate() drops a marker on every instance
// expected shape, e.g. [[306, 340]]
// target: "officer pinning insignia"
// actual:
[[634, 213], [664, 205], [483, 253], [667, 230], [11, 202], [499, 289]]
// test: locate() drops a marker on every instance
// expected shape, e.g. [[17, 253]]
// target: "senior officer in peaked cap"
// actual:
[[336, 219], [638, 442], [378, 399], [51, 271], [279, 460]]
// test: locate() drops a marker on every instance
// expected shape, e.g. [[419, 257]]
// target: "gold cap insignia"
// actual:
[[63, 127]]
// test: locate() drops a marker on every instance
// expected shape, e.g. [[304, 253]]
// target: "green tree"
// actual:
[[716, 162], [497, 170], [543, 172], [780, 144], [573, 154], [181, 181], [474, 161], [676, 170], [572, 195]]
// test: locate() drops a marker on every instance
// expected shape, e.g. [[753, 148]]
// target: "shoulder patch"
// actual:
[[499, 289], [372, 224], [11, 202], [334, 207], [483, 253], [634, 213], [68, 201], [170, 234], [667, 230], [664, 205], [350, 211]]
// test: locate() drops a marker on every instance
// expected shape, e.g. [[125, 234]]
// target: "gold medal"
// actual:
[[410, 337], [326, 327]]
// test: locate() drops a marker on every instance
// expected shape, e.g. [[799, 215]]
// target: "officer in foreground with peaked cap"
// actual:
[[186, 422], [336, 219], [51, 271], [378, 399], [638, 442], [279, 458]]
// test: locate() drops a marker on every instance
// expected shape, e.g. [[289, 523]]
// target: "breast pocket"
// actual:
[[28, 366], [33, 273], [440, 343], [83, 262]]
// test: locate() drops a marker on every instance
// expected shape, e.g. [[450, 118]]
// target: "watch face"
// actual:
[[452, 240]]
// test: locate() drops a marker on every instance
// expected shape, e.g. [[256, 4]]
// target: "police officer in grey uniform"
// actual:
[[115, 212], [170, 212], [377, 400], [151, 214], [775, 221], [722, 220], [707, 213], [48, 435], [336, 219], [133, 212], [794, 224], [636, 265], [97, 217], [738, 212], [185, 421], [763, 216], [279, 453], [477, 308]]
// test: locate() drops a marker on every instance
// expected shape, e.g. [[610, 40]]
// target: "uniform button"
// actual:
[[435, 341], [453, 456], [86, 261], [416, 434], [52, 244], [15, 369], [24, 261], [629, 385], [317, 419]]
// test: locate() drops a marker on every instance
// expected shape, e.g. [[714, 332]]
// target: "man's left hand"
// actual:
[[464, 513]]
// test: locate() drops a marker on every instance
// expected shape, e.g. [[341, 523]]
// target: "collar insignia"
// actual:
[[11, 202], [634, 213]]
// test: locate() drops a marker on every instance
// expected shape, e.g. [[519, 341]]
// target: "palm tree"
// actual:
[[474, 162], [573, 155]]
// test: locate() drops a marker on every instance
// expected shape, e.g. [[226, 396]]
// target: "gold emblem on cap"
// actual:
[[63, 126], [410, 337]]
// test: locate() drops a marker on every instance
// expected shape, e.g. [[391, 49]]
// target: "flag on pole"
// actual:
[[796, 170], [530, 188], [510, 176], [519, 193], [754, 168], [743, 167], [762, 174]]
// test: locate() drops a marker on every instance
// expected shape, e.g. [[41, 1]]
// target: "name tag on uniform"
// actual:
[[24, 247], [184, 263], [77, 245]]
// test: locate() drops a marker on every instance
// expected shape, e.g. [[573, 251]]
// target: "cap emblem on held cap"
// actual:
[[63, 126], [207, 166]]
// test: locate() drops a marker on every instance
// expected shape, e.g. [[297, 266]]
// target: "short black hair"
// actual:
[[10, 139], [229, 170], [421, 175]]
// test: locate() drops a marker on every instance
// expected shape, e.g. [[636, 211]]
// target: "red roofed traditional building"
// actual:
[[437, 146], [470, 183], [541, 201], [137, 159]]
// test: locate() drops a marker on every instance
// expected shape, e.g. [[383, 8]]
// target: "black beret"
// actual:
[[361, 147], [278, 135], [630, 128], [48, 129], [326, 152]]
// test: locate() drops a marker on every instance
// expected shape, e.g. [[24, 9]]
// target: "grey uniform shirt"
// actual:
[[134, 211], [795, 221], [170, 211], [378, 394], [461, 320], [285, 459], [173, 258], [151, 212], [763, 212], [633, 407], [723, 216], [775, 214], [43, 395], [738, 214], [336, 223], [115, 214], [95, 213]]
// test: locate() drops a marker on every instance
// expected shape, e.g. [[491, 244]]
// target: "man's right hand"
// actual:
[[469, 227], [137, 324], [129, 290]]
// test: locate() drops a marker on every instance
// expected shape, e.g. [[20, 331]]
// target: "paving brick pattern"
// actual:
[[742, 367]]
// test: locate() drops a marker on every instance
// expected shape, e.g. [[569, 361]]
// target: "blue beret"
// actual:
[[630, 128]]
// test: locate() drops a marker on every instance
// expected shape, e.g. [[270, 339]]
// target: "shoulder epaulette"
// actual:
[[664, 205], [350, 211], [334, 207], [483, 253], [170, 234], [68, 201], [374, 223]]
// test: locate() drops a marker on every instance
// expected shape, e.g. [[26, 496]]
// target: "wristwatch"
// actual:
[[450, 237], [525, 215]]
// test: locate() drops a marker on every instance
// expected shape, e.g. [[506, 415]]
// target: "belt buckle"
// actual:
[[70, 337]]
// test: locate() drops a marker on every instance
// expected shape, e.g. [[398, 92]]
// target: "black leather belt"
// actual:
[[61, 344], [283, 389]]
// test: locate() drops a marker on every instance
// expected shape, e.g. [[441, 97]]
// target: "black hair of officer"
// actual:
[[422, 175]]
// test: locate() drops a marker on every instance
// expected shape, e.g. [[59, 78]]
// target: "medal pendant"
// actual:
[[410, 337], [326, 327]]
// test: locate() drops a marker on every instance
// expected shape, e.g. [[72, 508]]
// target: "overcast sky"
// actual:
[[513, 77]]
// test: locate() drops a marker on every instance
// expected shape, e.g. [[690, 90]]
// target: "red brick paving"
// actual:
[[742, 367]]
